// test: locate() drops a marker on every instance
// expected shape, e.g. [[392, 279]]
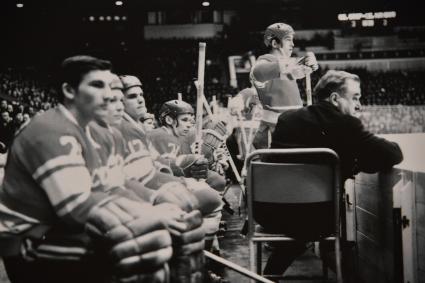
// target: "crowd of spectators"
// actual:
[[22, 95], [384, 88], [399, 119], [165, 72]]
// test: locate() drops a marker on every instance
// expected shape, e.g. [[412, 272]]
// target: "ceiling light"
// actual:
[[118, 3], [205, 3], [19, 5]]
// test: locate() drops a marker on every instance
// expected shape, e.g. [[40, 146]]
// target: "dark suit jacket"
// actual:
[[323, 125]]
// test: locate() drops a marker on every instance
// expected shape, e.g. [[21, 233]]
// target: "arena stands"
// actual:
[[167, 72]]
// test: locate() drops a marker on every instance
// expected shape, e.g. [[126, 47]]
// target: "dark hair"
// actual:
[[333, 81], [74, 68]]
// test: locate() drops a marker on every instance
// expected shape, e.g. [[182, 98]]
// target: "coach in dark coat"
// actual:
[[330, 123]]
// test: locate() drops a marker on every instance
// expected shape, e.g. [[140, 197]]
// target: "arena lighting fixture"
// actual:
[[118, 3], [19, 5], [205, 3]]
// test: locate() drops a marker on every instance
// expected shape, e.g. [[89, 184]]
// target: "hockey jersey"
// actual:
[[110, 146], [139, 162], [51, 174], [276, 95], [166, 143]]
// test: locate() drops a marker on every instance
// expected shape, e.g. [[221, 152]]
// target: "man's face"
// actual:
[[5, 116], [19, 118], [134, 103], [4, 104], [349, 100], [286, 46], [93, 94], [26, 117], [116, 108], [183, 124]]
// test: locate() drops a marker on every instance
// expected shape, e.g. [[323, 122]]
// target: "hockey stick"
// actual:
[[308, 89], [200, 97], [237, 268]]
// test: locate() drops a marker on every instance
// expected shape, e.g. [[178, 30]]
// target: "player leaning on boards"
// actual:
[[58, 223], [274, 76]]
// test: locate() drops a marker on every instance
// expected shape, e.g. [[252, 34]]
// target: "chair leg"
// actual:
[[324, 270], [338, 260], [259, 259], [252, 262]]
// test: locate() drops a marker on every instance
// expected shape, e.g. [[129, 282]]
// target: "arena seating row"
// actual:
[[166, 73]]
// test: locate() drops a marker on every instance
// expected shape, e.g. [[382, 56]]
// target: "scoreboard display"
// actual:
[[369, 19]]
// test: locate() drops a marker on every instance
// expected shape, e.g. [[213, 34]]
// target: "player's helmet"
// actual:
[[174, 108], [116, 83], [277, 31], [130, 81]]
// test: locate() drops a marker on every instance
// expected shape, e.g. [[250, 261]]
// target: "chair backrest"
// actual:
[[291, 183], [292, 179], [293, 176]]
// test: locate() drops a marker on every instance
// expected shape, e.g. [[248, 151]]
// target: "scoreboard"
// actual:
[[369, 19]]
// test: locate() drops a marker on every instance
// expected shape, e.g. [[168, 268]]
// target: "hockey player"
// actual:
[[51, 195], [111, 148], [176, 118], [140, 157], [274, 76]]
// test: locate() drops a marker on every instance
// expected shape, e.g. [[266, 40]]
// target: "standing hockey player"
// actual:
[[274, 76]]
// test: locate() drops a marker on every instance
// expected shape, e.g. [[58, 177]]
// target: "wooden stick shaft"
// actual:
[[308, 89], [243, 133], [200, 95], [237, 268], [208, 108]]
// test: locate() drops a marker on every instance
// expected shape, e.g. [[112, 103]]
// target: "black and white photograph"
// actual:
[[212, 141]]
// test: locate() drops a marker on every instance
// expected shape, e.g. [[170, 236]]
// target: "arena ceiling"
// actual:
[[314, 9]]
